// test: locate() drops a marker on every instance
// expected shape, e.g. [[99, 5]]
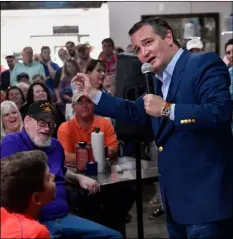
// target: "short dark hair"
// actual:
[[14, 88], [30, 95], [70, 42], [22, 174], [45, 48], [93, 63], [108, 40], [159, 25], [229, 42]]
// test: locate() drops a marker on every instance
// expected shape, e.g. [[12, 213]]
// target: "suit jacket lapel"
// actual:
[[174, 85], [177, 76]]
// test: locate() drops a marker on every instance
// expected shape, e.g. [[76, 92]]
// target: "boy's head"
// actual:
[[26, 183]]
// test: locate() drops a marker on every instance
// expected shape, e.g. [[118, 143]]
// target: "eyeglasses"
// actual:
[[43, 123]]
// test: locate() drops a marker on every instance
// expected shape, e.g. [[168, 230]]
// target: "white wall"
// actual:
[[122, 15], [17, 27]]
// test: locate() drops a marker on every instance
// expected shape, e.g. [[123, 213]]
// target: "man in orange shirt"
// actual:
[[26, 186], [80, 127]]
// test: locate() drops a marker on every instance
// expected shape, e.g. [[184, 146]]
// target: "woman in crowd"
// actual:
[[96, 70], [11, 121], [39, 91], [70, 69], [39, 78], [15, 94]]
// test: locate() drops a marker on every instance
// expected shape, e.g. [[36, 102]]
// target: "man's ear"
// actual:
[[169, 38], [26, 119]]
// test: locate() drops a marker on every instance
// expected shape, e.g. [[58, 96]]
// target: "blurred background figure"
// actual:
[[24, 87], [83, 52], [70, 69], [6, 75], [109, 84], [107, 55], [129, 48], [195, 45], [96, 69]]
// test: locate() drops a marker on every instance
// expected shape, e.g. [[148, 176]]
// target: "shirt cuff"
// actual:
[[97, 98], [172, 114]]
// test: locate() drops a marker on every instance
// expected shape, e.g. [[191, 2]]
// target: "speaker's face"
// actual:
[[151, 48]]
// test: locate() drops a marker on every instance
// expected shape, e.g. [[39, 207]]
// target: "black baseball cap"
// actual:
[[42, 109], [22, 75]]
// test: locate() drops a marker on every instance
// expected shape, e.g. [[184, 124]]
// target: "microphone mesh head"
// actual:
[[146, 68]]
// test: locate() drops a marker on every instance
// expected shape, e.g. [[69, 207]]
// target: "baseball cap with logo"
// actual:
[[42, 109], [194, 44]]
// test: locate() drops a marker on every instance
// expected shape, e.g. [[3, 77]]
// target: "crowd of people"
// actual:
[[35, 96]]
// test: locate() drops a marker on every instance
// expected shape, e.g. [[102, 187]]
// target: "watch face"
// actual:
[[166, 111]]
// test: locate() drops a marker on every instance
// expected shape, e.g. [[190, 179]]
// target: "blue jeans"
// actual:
[[72, 226], [214, 230]]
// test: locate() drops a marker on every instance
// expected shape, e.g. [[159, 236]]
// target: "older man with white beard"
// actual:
[[39, 124]]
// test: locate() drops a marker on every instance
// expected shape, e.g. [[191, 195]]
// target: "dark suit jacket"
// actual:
[[5, 80], [196, 149]]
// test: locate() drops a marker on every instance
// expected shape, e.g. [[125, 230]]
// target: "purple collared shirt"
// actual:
[[18, 142]]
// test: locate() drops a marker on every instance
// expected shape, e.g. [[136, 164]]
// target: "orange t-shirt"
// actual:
[[14, 225], [70, 133]]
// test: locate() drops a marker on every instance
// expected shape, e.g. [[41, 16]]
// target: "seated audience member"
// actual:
[[28, 66], [80, 127], [11, 121], [70, 69], [40, 79], [109, 84], [96, 70], [23, 77], [26, 186], [24, 87], [15, 94], [39, 91], [2, 96], [39, 124], [195, 45]]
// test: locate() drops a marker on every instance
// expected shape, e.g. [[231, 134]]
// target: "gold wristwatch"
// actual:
[[166, 110]]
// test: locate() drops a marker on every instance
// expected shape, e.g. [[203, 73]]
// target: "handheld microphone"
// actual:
[[147, 70]]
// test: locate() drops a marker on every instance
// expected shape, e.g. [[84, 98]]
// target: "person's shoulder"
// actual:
[[37, 64], [64, 126], [103, 122], [5, 72], [55, 65], [11, 138], [204, 58], [33, 229]]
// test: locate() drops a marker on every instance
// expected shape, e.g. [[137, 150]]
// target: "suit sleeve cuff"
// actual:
[[97, 98], [172, 114]]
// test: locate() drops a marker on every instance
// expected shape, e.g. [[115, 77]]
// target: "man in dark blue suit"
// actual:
[[191, 117]]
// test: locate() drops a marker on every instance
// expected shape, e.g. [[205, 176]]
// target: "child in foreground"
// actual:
[[26, 186]]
